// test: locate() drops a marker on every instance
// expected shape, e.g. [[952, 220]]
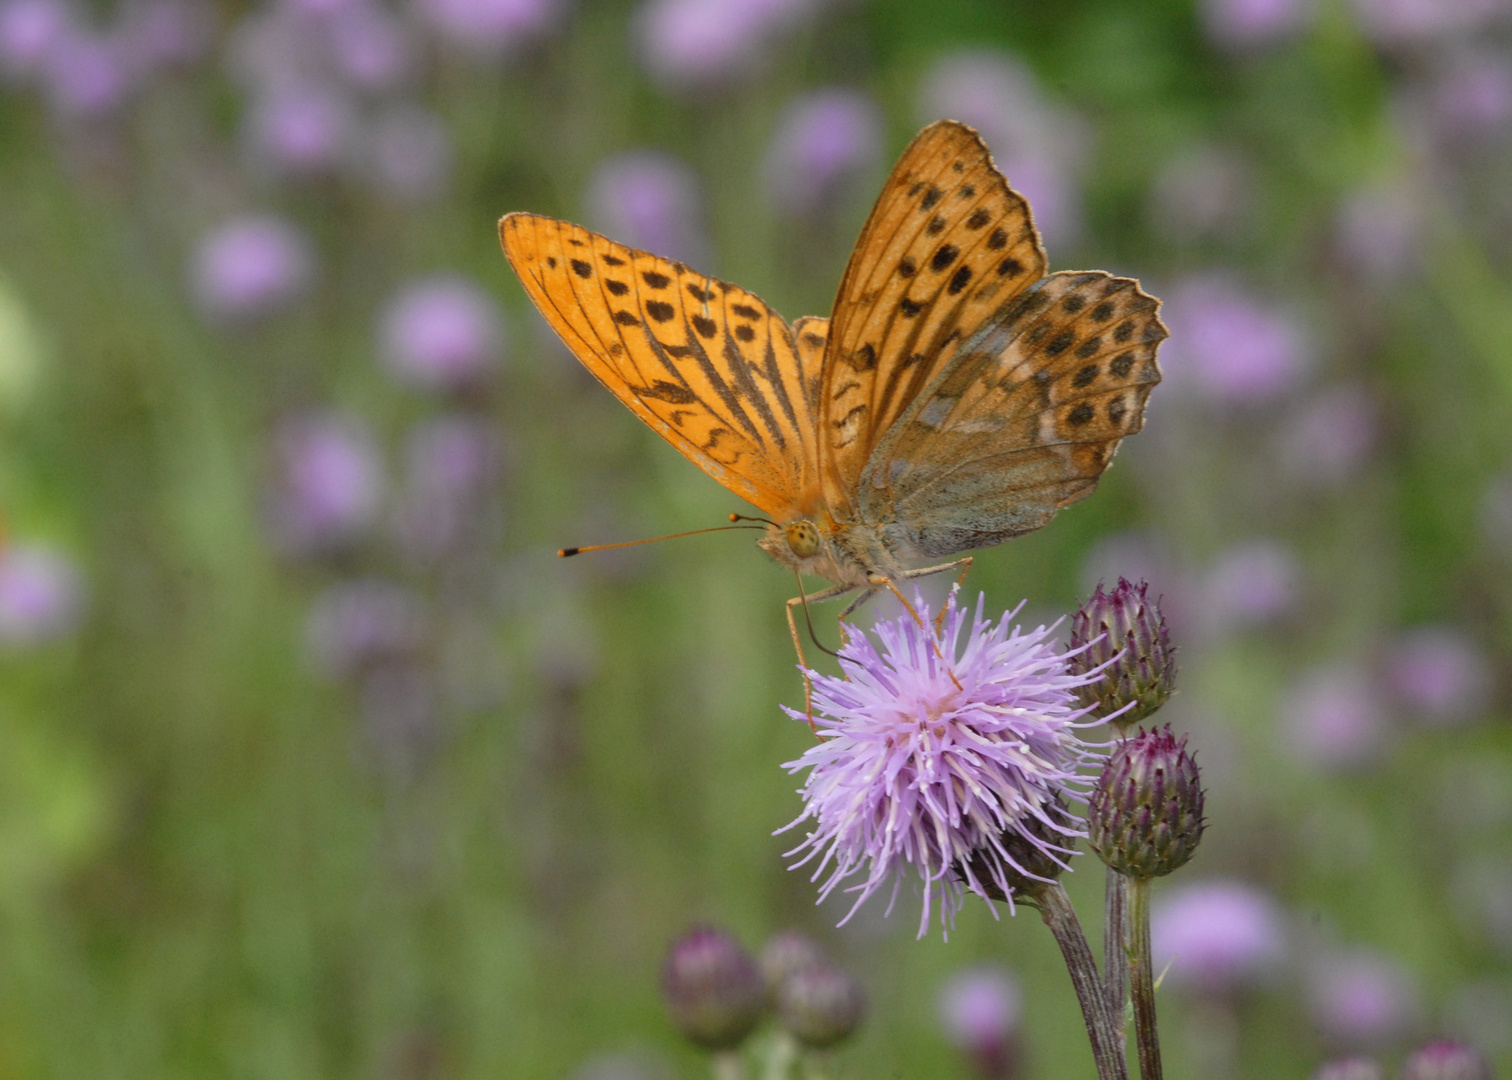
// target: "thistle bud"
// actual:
[[787, 952], [1025, 858], [1354, 1068], [1446, 1061], [713, 989], [1128, 625], [1145, 815], [820, 1005]]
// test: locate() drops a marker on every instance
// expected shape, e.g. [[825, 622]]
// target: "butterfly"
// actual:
[[956, 397]]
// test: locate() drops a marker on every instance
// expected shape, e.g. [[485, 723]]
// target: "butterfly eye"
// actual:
[[803, 538]]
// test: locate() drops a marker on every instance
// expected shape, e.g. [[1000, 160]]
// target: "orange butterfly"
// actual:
[[955, 398]]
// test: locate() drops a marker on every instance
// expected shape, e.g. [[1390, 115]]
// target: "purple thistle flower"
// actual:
[[1353, 1068], [29, 32], [1446, 1060], [41, 595], [1439, 673], [823, 138], [651, 201], [980, 1009], [1229, 346], [713, 989], [370, 48], [87, 75], [1472, 98], [1334, 718], [1410, 23], [1251, 583], [329, 484], [1215, 935], [1328, 439], [1378, 233], [408, 153], [355, 625], [1362, 998], [488, 28], [694, 43], [442, 333], [936, 764], [250, 266], [1244, 25], [302, 127]]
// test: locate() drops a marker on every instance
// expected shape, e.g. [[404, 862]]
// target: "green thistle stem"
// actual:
[[1055, 908], [1142, 980], [1115, 946]]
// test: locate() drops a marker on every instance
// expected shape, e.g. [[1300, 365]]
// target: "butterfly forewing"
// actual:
[[947, 244], [1024, 419], [706, 364]]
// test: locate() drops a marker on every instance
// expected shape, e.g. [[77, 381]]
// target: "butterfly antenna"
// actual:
[[567, 553], [743, 517]]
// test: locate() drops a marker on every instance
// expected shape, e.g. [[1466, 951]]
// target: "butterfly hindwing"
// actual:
[[706, 364], [947, 245], [1025, 418]]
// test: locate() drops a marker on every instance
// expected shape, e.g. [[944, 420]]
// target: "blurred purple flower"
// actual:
[[302, 128], [692, 43], [1229, 346], [1378, 234], [1207, 192], [29, 32], [451, 464], [1439, 674], [328, 484], [159, 34], [356, 624], [1472, 97], [1041, 147], [1216, 935], [1334, 717], [1352, 1068], [370, 48], [1446, 1060], [980, 1009], [276, 46], [409, 153], [250, 266], [1411, 23], [652, 201], [1361, 999], [88, 75], [442, 333], [41, 595], [928, 765], [1328, 439], [487, 28], [1243, 25], [823, 138], [1250, 583]]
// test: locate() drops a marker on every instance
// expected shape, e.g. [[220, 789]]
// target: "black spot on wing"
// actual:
[[1122, 365], [931, 197], [944, 257], [581, 269], [612, 260], [979, 217], [745, 311], [660, 311], [627, 318], [618, 288], [745, 333], [959, 280], [1081, 415], [655, 280], [706, 327]]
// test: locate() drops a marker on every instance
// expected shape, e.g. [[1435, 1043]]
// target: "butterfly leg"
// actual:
[[880, 581], [805, 599], [964, 563]]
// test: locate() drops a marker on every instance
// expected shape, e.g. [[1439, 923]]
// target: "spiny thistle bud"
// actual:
[[1145, 815], [713, 989], [1446, 1061], [1354, 1068], [1123, 621], [787, 952], [1022, 861], [820, 1005]]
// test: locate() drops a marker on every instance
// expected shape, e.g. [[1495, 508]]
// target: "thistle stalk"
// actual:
[[1142, 980], [1107, 1048]]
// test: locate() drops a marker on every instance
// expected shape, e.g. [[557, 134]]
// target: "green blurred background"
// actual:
[[316, 762]]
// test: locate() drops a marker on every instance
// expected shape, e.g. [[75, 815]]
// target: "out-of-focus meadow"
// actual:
[[316, 762]]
